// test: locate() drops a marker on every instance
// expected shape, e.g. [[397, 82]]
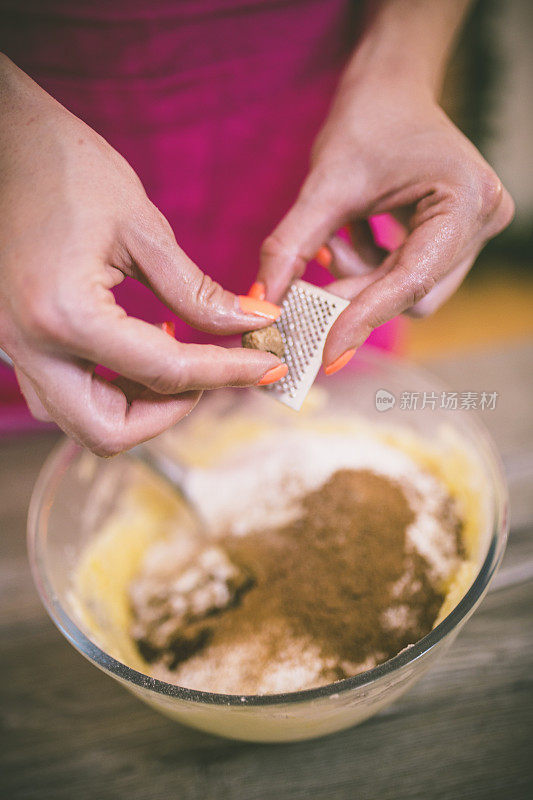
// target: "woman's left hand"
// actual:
[[387, 149]]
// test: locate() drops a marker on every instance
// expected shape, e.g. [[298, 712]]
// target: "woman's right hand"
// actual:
[[74, 220]]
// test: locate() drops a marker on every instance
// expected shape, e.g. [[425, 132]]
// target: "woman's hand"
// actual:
[[387, 147], [74, 220]]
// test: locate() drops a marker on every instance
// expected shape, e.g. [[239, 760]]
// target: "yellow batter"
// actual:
[[148, 511]]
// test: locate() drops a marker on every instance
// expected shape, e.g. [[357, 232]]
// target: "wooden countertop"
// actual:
[[464, 731]]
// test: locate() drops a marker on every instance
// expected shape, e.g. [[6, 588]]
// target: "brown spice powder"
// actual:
[[342, 575], [330, 575]]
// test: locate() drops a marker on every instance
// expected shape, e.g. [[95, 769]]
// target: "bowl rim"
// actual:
[[64, 453]]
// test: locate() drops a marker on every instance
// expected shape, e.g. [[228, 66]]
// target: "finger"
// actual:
[[314, 217], [31, 397], [97, 413], [145, 354], [360, 256], [348, 259], [364, 243], [350, 287], [427, 255], [163, 266], [500, 218], [442, 291]]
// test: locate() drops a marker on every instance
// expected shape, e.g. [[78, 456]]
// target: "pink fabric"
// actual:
[[387, 231], [215, 103]]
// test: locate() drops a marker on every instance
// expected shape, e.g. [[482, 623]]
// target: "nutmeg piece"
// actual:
[[267, 339]]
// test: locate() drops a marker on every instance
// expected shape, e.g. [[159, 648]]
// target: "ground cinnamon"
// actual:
[[342, 575]]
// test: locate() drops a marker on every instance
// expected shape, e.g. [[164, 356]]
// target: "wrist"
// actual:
[[384, 65], [406, 45]]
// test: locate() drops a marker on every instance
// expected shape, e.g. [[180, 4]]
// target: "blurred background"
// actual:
[[488, 95], [465, 731]]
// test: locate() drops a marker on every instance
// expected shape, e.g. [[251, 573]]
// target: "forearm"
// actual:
[[407, 41], [22, 101], [12, 82], [7, 83]]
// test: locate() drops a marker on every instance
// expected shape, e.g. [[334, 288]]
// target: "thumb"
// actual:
[[429, 253], [163, 266], [313, 218], [31, 397]]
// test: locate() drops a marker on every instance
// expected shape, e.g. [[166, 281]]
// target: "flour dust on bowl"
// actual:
[[349, 543]]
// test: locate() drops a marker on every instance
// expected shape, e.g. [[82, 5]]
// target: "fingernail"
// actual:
[[273, 375], [339, 362], [257, 291], [261, 308], [168, 327], [324, 257]]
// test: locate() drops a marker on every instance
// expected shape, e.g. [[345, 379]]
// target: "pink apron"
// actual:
[[215, 104]]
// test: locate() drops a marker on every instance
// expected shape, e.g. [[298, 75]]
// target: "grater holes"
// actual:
[[303, 324]]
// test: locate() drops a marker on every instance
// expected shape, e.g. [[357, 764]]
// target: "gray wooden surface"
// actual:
[[464, 731]]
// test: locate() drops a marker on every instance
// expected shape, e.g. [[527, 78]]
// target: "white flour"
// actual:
[[298, 665], [260, 486]]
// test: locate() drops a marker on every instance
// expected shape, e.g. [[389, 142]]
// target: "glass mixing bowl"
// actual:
[[58, 530]]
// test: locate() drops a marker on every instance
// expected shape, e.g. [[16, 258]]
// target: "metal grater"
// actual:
[[307, 314]]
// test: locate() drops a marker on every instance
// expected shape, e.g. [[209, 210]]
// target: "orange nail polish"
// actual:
[[324, 257], [339, 362], [257, 291], [261, 308], [168, 327], [273, 375]]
